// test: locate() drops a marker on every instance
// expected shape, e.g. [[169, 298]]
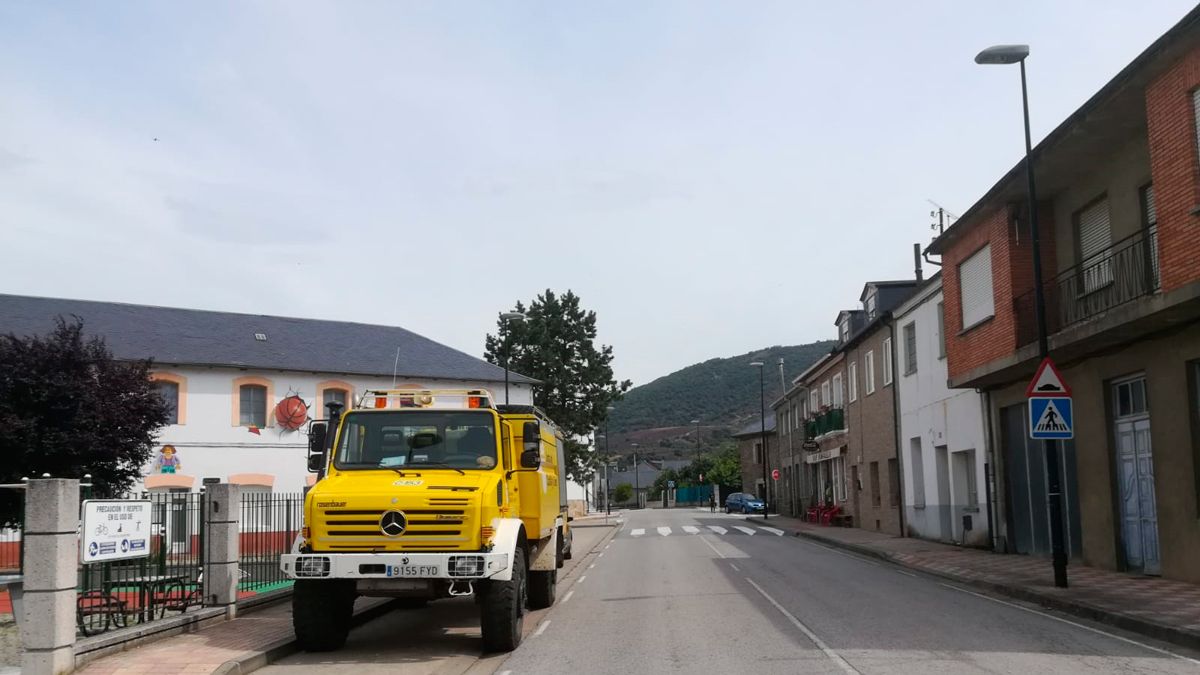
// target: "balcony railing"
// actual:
[[1123, 272], [829, 420]]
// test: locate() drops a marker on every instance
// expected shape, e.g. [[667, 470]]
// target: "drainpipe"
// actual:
[[990, 474], [896, 422]]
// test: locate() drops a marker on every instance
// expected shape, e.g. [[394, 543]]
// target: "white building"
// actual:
[[942, 442], [227, 375]]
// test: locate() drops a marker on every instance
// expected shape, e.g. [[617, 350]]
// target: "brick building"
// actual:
[[750, 451], [1119, 185]]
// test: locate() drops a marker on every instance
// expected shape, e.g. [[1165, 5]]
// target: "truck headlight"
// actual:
[[312, 566], [466, 566]]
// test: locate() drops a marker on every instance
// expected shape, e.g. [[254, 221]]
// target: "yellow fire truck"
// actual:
[[427, 494]]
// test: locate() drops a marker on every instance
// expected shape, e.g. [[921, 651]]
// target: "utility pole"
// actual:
[[637, 484], [762, 417]]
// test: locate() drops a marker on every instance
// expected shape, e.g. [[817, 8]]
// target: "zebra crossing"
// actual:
[[666, 531]]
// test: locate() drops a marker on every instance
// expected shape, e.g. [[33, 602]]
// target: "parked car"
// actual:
[[744, 503]]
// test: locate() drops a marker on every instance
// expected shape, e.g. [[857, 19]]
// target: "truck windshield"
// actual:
[[396, 440]]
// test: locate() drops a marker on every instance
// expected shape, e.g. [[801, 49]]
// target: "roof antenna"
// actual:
[[395, 367]]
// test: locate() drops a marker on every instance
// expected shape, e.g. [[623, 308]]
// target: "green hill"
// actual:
[[721, 393]]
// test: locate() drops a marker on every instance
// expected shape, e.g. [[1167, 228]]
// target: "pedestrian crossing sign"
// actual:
[[1050, 417]]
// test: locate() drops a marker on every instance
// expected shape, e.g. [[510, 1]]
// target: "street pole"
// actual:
[[762, 418], [505, 318], [1018, 54], [637, 484], [607, 462]]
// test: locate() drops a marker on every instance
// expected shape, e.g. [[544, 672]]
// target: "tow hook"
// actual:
[[455, 591]]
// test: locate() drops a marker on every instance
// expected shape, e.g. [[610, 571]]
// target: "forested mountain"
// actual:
[[721, 392]]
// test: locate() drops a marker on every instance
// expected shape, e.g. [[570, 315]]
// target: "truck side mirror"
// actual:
[[316, 446], [531, 455]]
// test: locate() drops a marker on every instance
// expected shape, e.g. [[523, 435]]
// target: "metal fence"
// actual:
[[127, 592], [268, 525]]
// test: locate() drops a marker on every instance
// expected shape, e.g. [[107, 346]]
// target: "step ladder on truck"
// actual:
[[424, 494]]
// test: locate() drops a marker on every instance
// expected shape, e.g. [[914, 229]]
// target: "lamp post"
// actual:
[[607, 462], [637, 484], [506, 318], [762, 417], [1008, 55]]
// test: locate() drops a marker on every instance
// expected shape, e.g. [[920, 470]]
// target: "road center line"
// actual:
[[567, 597], [714, 548], [833, 656], [542, 628], [1072, 623]]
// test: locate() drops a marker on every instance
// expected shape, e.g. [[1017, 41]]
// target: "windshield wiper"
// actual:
[[440, 465], [402, 474]]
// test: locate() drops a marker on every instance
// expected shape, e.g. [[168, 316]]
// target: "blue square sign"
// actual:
[[1050, 417]]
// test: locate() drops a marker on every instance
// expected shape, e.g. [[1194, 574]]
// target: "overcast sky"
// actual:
[[710, 177]]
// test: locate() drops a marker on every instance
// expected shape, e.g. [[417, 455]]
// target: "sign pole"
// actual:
[[1051, 418], [1054, 488]]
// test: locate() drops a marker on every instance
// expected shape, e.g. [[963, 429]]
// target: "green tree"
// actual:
[[556, 343], [68, 409], [622, 493]]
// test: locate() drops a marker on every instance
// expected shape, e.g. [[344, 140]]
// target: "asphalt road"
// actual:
[[685, 590]]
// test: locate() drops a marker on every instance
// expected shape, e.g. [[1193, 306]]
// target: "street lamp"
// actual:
[[1008, 55], [607, 462], [637, 483], [762, 417], [506, 318]]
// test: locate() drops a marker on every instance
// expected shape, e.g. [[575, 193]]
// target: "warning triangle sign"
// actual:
[[1047, 381], [1052, 420]]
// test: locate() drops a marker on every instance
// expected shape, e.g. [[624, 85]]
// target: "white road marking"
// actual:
[[504, 672], [606, 547], [580, 581], [691, 529], [591, 566], [777, 533], [636, 533], [848, 555], [833, 656], [567, 597], [743, 530], [542, 628], [601, 555], [1073, 623], [714, 548], [907, 574], [718, 529], [735, 567], [664, 531]]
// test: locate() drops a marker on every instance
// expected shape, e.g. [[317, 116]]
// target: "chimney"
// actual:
[[917, 261]]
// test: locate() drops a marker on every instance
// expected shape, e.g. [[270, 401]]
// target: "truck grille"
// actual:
[[436, 523]]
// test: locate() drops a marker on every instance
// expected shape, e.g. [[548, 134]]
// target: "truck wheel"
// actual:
[[321, 613], [564, 551], [503, 613], [542, 588]]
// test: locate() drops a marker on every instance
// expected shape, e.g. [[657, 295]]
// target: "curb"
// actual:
[[1153, 629], [287, 646]]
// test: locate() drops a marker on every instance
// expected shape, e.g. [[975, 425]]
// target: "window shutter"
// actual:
[[1151, 214], [1196, 109], [975, 280], [1095, 234]]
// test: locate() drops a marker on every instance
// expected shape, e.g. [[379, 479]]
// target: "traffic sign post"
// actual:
[[1051, 419], [774, 474]]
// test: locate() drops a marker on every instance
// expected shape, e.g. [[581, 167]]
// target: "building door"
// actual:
[[1135, 476], [941, 456], [1026, 502]]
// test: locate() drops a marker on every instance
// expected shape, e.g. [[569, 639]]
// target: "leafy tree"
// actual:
[[622, 493], [68, 409], [556, 344]]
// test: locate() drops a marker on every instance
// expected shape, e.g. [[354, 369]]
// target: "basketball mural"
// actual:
[[291, 412]]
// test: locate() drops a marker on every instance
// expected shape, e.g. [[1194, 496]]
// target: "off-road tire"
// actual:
[[321, 613], [502, 614], [543, 587]]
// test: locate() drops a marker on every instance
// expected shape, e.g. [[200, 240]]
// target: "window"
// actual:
[[941, 336], [169, 393], [826, 394], [972, 489], [1150, 222], [875, 497], [887, 361], [975, 282], [910, 348], [1093, 234], [894, 481], [837, 390], [172, 389], [844, 329], [338, 396], [869, 367], [871, 307], [460, 440], [252, 405], [916, 464], [853, 374], [758, 452], [1131, 398], [839, 478], [814, 406]]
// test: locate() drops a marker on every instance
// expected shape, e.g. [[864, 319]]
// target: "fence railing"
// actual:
[[269, 524], [1123, 272], [829, 420], [125, 592]]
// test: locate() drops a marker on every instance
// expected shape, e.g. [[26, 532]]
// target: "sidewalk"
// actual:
[[245, 640], [1161, 608]]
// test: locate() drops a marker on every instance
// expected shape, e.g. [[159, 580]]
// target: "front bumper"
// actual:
[[449, 566]]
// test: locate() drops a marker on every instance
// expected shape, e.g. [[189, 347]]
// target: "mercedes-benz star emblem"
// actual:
[[393, 523]]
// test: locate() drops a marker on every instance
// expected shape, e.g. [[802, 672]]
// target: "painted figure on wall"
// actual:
[[168, 461]]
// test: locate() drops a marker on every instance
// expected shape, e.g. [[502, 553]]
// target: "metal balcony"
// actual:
[[831, 419]]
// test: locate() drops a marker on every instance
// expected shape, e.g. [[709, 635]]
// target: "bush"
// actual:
[[623, 492]]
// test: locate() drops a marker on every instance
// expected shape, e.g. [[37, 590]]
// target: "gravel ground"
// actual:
[[10, 644]]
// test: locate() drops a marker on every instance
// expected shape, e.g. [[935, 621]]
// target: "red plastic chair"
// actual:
[[827, 517], [814, 514]]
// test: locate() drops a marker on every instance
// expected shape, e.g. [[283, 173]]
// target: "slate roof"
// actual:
[[196, 337], [755, 428]]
